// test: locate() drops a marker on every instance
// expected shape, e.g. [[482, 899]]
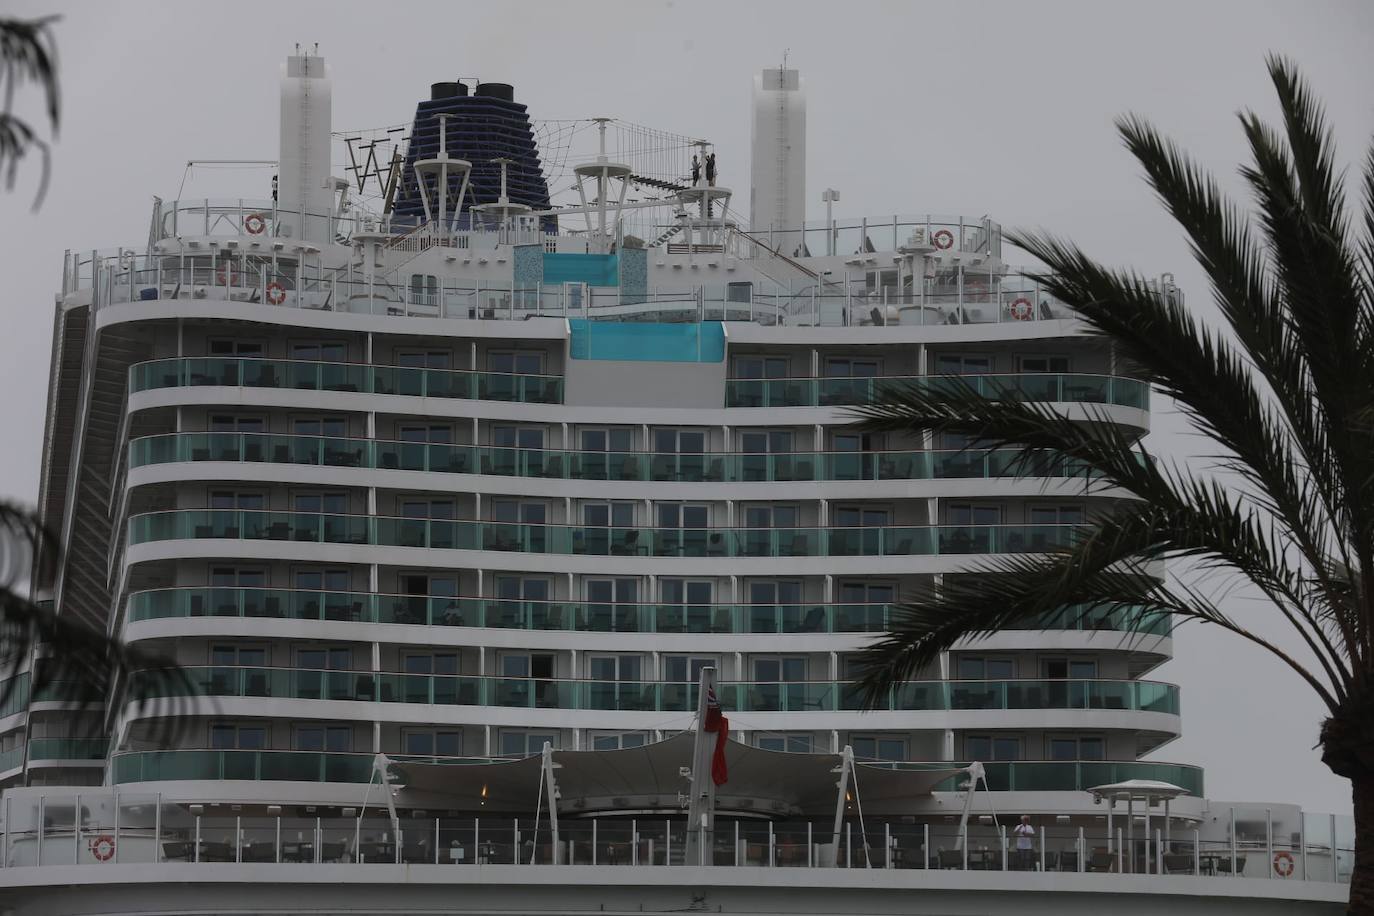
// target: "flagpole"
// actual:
[[701, 809]]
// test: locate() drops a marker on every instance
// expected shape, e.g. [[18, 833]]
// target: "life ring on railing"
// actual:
[[1022, 310], [276, 293], [254, 224], [102, 847], [1283, 864], [943, 239], [224, 276]]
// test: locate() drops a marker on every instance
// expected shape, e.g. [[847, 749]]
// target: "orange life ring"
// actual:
[[102, 847], [943, 239], [254, 224], [276, 293], [224, 275], [1283, 864], [1021, 309]]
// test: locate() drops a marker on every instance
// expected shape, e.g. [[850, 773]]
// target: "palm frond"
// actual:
[[57, 650], [28, 53]]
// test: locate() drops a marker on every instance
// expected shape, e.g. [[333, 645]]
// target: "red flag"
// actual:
[[716, 722]]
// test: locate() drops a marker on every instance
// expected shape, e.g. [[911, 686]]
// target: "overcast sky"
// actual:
[[1002, 109]]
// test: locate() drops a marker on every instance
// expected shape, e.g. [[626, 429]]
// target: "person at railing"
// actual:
[[1025, 844], [696, 171], [711, 169]]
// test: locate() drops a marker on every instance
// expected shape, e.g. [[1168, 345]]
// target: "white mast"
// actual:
[[604, 173]]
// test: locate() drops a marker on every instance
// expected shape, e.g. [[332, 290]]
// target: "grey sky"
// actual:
[[973, 108]]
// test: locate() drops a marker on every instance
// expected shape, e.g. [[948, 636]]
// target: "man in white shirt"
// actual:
[[1025, 844]]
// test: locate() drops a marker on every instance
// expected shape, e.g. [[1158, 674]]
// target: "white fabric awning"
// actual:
[[650, 778]]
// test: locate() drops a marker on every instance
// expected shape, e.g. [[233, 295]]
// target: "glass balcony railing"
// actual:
[[291, 766], [1067, 775], [312, 766], [1025, 386], [657, 696], [238, 524], [455, 611], [68, 748], [310, 375], [15, 691], [728, 467], [14, 757]]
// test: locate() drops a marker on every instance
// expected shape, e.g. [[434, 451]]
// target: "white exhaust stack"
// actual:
[[303, 169]]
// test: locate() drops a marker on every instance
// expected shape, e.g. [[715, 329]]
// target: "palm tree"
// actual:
[[28, 52], [1284, 385], [51, 648]]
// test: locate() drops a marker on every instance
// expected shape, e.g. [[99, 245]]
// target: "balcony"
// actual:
[[67, 749], [713, 467], [425, 610], [835, 392], [657, 696], [309, 375], [927, 540], [313, 766]]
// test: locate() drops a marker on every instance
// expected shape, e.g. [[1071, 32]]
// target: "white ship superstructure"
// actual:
[[450, 506]]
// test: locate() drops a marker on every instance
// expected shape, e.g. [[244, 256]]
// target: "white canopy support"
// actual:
[[380, 763], [846, 771], [550, 790], [976, 773], [701, 808]]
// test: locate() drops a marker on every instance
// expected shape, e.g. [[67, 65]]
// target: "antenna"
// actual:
[[784, 58]]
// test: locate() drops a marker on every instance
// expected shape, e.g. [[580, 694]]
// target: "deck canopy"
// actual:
[[652, 777]]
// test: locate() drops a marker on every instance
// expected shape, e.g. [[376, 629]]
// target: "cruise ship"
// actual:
[[518, 545]]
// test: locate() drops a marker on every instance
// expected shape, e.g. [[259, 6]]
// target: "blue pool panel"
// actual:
[[637, 341], [591, 269]]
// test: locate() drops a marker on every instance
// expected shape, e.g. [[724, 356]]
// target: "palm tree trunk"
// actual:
[[1362, 878]]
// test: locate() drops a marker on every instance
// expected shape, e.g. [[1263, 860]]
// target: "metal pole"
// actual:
[[76, 831], [1042, 848], [114, 856], [810, 846], [887, 845], [278, 856], [594, 822], [1197, 852], [238, 838], [157, 828], [1082, 850], [1302, 839], [1159, 858], [1335, 869], [1233, 841], [1269, 841], [196, 856], [925, 838]]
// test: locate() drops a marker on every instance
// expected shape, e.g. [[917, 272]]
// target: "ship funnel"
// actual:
[[305, 198]]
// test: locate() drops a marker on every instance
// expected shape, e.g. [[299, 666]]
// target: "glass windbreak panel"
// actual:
[[950, 364], [878, 748], [686, 606], [776, 607]]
